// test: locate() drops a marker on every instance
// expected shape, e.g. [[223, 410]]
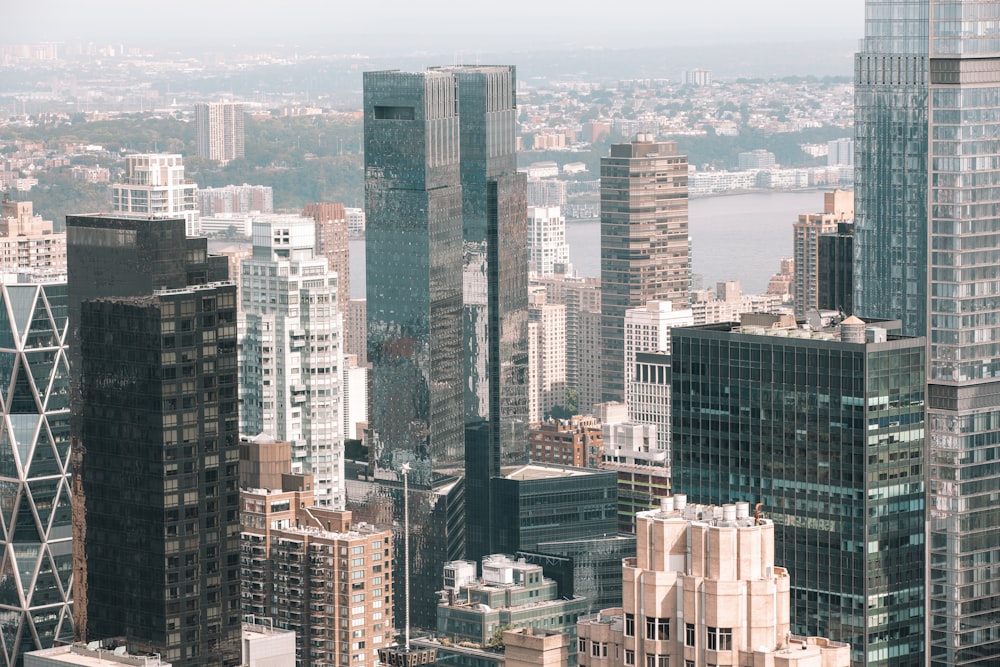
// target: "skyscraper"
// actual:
[[826, 431], [926, 250], [413, 196], [155, 439], [547, 248], [963, 321], [890, 163], [291, 366], [644, 242], [332, 243], [35, 536], [220, 131]]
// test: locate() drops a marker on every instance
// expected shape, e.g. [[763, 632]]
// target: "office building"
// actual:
[[544, 503], [510, 594], [332, 243], [316, 571], [835, 269], [154, 186], [36, 595], [155, 424], [891, 135], [548, 251], [703, 589], [220, 131], [235, 199], [546, 357], [28, 243], [577, 441], [291, 362], [838, 206], [414, 312], [833, 448], [647, 363], [644, 242]]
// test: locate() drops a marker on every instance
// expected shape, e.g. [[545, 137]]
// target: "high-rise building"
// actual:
[[835, 269], [220, 131], [582, 298], [28, 243], [546, 357], [925, 252], [154, 186], [413, 201], [644, 242], [963, 330], [756, 159], [316, 571], [332, 242], [891, 133], [826, 431], [35, 536], [155, 426], [548, 251], [840, 152], [291, 361], [703, 589], [838, 206], [577, 442]]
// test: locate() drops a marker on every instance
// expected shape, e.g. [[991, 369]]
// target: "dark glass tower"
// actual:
[[644, 243], [835, 270], [828, 435], [413, 197], [890, 157], [495, 288], [155, 439]]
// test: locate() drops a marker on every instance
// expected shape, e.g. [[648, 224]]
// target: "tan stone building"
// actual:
[[703, 591], [28, 242], [313, 570]]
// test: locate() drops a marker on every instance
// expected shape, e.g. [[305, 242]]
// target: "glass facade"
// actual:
[[890, 177], [36, 553], [644, 243], [155, 428], [964, 298], [829, 437], [836, 270]]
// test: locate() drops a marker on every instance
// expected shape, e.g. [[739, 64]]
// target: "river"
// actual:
[[737, 237]]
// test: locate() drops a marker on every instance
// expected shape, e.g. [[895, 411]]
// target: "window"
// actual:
[[689, 634], [657, 661], [581, 645], [720, 639], [657, 628], [629, 658], [630, 625]]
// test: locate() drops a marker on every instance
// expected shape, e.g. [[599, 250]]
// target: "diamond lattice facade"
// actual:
[[36, 556]]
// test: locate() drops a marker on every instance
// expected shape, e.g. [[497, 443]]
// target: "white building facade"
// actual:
[[154, 186], [291, 366], [548, 251]]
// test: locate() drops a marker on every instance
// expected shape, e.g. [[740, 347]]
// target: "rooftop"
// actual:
[[532, 471]]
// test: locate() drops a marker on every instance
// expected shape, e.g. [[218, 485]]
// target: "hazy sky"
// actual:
[[435, 25]]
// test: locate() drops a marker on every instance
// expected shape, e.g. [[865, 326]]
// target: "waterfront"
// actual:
[[738, 237]]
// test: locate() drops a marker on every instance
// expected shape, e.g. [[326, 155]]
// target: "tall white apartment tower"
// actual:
[[220, 131], [154, 186], [548, 251], [292, 355]]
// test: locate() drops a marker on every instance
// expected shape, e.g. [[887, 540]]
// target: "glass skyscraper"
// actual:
[[36, 553], [828, 435], [964, 330], [890, 182], [927, 247]]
